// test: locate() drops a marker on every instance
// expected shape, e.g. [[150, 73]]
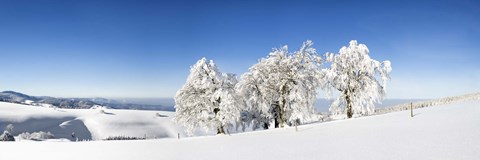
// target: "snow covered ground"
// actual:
[[440, 132], [87, 124]]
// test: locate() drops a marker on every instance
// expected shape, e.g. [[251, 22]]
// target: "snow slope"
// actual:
[[87, 124], [441, 132]]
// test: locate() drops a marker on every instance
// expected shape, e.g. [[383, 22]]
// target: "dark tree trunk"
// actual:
[[265, 126], [282, 113], [349, 106], [282, 106], [220, 130], [276, 115], [277, 123]]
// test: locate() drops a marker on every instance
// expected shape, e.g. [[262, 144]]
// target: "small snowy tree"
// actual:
[[7, 134], [355, 75], [283, 86], [207, 99]]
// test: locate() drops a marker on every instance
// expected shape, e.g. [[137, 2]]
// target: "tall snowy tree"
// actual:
[[283, 86], [256, 95], [356, 76], [207, 99]]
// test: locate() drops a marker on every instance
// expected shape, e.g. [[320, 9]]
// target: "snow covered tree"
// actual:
[[283, 86], [355, 75], [207, 99], [256, 97], [7, 134], [310, 76]]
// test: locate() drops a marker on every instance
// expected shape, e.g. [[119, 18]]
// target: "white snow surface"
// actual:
[[87, 124], [440, 132]]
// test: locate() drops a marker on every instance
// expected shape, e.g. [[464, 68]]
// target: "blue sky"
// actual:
[[73, 48]]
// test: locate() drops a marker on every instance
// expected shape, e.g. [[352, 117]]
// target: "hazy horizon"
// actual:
[[321, 104]]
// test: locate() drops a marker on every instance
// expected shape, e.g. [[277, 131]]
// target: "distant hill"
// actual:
[[11, 96], [77, 103]]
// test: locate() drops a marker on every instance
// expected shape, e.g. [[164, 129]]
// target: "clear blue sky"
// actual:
[[117, 48]]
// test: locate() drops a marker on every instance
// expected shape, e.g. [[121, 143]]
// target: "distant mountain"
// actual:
[[77, 103], [11, 96]]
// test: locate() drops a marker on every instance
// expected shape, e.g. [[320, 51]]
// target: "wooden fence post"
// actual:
[[411, 109]]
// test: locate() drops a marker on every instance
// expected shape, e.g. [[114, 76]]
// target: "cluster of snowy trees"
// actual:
[[36, 136], [281, 89], [118, 138]]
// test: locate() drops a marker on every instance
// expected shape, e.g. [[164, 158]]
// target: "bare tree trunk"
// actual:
[[265, 126], [277, 122], [282, 112], [282, 106], [349, 105], [276, 115], [220, 130]]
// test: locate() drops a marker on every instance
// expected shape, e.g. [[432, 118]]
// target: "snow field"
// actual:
[[441, 132], [87, 124]]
